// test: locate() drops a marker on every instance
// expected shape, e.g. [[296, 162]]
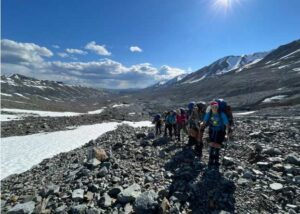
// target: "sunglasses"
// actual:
[[215, 107]]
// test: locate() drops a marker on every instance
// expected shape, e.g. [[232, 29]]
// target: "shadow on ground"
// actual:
[[198, 189]]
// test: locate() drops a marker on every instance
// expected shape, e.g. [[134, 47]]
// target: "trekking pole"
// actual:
[[225, 149]]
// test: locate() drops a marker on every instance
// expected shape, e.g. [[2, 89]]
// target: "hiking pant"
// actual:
[[174, 128], [214, 155], [157, 128], [179, 127], [169, 128]]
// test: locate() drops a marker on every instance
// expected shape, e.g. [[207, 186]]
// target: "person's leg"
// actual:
[[211, 157], [166, 127]]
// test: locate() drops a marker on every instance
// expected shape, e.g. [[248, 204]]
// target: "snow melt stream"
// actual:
[[20, 153]]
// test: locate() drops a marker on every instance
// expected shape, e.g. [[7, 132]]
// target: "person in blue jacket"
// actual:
[[171, 122], [218, 130]]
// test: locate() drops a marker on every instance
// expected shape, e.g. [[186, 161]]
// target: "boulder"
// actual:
[[146, 203], [129, 194], [27, 207], [276, 186], [100, 154], [77, 194], [293, 159], [79, 209]]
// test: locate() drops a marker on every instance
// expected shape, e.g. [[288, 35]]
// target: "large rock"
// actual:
[[100, 154], [276, 186], [146, 203], [113, 192], [129, 194], [293, 159], [272, 151], [22, 208], [77, 194], [105, 201], [79, 209]]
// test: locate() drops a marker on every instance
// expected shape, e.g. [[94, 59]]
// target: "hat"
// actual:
[[214, 103]]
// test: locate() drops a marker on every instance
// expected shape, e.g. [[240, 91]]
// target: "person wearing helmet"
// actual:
[[218, 130]]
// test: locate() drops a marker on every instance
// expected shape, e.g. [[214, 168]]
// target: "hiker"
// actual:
[[218, 130], [158, 123], [170, 122], [165, 114], [195, 138], [180, 122]]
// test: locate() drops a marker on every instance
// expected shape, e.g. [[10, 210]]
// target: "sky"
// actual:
[[136, 43]]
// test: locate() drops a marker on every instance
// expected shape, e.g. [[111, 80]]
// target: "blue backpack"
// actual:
[[157, 117], [191, 105]]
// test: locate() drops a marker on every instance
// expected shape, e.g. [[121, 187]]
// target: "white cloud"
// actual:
[[55, 46], [75, 51], [98, 49], [22, 53], [102, 73], [135, 49], [167, 72], [63, 55]]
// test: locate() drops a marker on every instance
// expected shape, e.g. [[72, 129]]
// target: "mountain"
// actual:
[[249, 81], [223, 66], [19, 90], [169, 82]]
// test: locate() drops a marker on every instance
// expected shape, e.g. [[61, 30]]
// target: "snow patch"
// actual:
[[8, 117], [96, 111], [21, 95], [20, 153], [286, 56], [243, 113], [41, 113], [120, 105], [8, 95], [296, 69], [275, 98]]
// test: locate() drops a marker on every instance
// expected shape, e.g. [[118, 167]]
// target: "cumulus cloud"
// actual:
[[22, 53], [75, 51], [55, 46], [105, 73], [98, 49], [135, 49], [63, 55]]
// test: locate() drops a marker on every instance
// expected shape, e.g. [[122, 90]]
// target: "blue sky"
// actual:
[[173, 37]]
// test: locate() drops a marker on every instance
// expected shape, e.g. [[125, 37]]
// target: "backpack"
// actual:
[[157, 118], [226, 109], [191, 105], [201, 106]]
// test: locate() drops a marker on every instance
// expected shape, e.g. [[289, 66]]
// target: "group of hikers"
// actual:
[[217, 115]]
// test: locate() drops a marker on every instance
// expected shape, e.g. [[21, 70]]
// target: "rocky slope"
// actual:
[[19, 91], [143, 174], [277, 74]]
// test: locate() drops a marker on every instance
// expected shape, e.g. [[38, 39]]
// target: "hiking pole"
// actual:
[[225, 149]]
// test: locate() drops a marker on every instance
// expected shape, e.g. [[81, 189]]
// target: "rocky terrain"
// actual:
[[132, 171]]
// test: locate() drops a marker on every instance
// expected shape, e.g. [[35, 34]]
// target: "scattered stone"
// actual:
[[113, 192], [129, 194], [228, 161], [102, 172], [105, 201], [77, 194], [293, 159], [100, 154], [272, 151], [276, 186], [146, 203], [27, 207], [79, 209]]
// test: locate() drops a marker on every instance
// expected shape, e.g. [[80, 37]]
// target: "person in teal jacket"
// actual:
[[171, 122], [218, 129]]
